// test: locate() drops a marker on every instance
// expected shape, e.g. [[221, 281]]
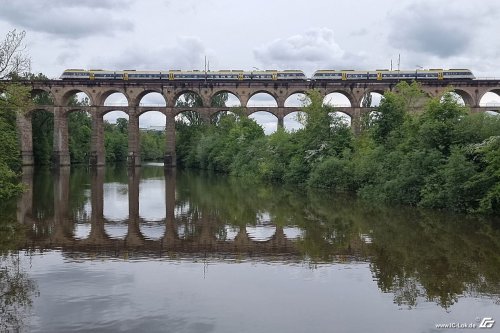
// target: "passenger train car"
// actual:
[[269, 75], [99, 74], [385, 74]]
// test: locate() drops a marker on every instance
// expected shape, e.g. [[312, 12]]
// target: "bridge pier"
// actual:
[[170, 156], [25, 131], [60, 154], [134, 150], [97, 156]]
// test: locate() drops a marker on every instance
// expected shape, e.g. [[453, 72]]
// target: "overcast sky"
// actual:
[[270, 34]]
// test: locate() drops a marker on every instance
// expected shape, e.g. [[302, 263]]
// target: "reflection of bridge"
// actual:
[[57, 232], [97, 91]]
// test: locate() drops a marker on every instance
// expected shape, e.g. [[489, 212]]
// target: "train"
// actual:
[[269, 75]]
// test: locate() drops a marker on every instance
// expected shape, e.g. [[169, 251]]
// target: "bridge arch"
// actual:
[[101, 99], [296, 98], [181, 99], [377, 95], [490, 98], [152, 98], [466, 97], [136, 100], [291, 121], [267, 119], [330, 93], [66, 96], [262, 98], [339, 98], [233, 99]]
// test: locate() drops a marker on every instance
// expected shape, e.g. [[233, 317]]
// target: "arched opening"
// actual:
[[116, 229], [187, 118], [264, 230], [262, 99], [371, 99], [42, 126], [76, 98], [460, 96], [292, 122], [297, 100], [225, 99], [491, 99], [227, 233], [115, 99], [152, 99], [337, 99], [339, 118], [216, 118], [116, 136], [152, 135], [267, 120], [79, 136], [188, 99], [293, 233], [42, 97]]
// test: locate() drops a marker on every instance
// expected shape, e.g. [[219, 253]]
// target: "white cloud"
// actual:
[[314, 49]]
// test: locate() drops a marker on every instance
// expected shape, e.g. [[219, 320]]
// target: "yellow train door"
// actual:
[[125, 76], [379, 76], [344, 76], [240, 76], [275, 76], [91, 76], [171, 76], [440, 75]]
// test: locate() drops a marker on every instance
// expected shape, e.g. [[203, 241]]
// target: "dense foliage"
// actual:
[[443, 157]]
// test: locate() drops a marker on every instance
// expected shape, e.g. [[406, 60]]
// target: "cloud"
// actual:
[[314, 49], [186, 53], [443, 31], [66, 19]]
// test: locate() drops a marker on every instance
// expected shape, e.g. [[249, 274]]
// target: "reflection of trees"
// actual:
[[16, 287], [415, 255], [16, 293], [433, 256]]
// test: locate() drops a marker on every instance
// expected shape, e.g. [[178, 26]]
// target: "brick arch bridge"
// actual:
[[60, 91]]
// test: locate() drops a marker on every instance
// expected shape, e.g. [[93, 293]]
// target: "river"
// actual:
[[154, 250]]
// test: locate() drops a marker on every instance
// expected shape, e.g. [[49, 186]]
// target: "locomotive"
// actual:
[[269, 75]]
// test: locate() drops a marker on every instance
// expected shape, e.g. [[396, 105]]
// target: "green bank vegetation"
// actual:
[[442, 157]]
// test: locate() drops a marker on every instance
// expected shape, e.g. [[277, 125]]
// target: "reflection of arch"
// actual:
[[349, 97], [102, 98], [261, 233], [271, 94], [67, 95]]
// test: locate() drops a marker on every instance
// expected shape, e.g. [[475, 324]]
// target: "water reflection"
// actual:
[[415, 256]]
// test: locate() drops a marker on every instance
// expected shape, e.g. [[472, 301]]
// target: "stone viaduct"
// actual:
[[97, 91]]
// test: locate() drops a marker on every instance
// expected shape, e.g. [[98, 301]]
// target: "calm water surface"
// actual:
[[149, 250]]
